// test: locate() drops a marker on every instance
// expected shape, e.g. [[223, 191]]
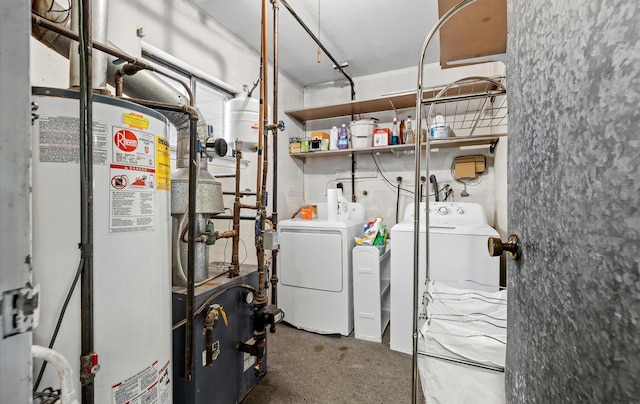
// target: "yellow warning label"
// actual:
[[135, 121], [163, 165]]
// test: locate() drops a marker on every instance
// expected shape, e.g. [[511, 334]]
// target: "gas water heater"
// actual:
[[132, 245]]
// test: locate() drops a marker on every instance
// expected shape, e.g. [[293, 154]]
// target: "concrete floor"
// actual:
[[304, 367]]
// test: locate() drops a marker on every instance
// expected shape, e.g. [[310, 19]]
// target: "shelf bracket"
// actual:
[[492, 146]]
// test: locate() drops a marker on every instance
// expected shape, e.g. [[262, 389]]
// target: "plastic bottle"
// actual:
[[408, 134], [343, 138], [333, 138], [395, 136]]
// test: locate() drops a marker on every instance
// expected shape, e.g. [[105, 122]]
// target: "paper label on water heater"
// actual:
[[59, 140], [163, 165], [149, 386], [132, 181]]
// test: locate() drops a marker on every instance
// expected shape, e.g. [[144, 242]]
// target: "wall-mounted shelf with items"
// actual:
[[401, 149], [475, 109]]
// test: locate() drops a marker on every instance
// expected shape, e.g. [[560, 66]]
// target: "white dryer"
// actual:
[[314, 268], [458, 255]]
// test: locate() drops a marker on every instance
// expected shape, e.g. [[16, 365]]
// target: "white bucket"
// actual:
[[362, 132]]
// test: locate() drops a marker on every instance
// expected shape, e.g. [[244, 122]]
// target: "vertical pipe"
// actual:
[[264, 96], [234, 268], [86, 200], [261, 110], [274, 181], [191, 248], [416, 199], [99, 28]]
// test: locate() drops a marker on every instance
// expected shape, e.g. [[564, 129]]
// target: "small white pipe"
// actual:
[[68, 394]]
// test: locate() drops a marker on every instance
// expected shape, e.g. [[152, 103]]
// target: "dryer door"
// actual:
[[311, 259]]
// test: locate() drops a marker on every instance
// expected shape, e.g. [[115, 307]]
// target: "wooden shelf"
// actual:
[[479, 29], [488, 140], [463, 92]]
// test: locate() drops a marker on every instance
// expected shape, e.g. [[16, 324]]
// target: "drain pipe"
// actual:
[[416, 200]]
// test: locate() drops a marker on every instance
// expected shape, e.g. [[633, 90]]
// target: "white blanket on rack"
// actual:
[[463, 325]]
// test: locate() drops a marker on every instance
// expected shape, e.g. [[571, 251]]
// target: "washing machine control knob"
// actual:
[[460, 211], [442, 210]]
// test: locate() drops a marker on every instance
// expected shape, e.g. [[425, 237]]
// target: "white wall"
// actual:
[[380, 198]]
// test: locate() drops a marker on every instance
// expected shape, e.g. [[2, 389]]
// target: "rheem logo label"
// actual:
[[126, 140]]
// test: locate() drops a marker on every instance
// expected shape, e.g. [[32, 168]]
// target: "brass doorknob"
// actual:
[[512, 246]]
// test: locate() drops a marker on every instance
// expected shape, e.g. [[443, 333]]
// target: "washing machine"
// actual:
[[314, 268], [458, 234]]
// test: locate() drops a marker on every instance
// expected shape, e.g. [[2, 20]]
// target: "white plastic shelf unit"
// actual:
[[371, 292]]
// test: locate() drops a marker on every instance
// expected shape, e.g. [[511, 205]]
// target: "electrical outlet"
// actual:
[[346, 174]]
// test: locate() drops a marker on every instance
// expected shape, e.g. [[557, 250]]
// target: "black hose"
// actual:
[[399, 182], [59, 323], [434, 181]]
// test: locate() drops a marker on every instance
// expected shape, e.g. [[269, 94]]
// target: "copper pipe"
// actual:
[[263, 101], [119, 81], [226, 234], [234, 266], [262, 158]]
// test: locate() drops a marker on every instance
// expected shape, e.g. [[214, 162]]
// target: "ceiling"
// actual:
[[372, 36]]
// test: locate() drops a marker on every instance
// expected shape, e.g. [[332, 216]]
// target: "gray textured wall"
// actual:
[[574, 191]]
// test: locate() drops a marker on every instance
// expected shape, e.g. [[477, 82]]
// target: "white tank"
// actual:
[[241, 120], [132, 259]]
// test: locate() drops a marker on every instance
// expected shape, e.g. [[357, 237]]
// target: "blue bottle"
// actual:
[[343, 138]]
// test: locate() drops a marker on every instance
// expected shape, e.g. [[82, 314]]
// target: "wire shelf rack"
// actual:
[[470, 106]]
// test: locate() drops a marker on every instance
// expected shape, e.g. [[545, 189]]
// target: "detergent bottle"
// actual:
[[343, 138]]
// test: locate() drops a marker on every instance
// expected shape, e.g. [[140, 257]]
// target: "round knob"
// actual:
[[496, 247], [442, 210], [460, 211]]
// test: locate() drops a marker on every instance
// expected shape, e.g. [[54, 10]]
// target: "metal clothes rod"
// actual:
[[464, 362], [416, 221]]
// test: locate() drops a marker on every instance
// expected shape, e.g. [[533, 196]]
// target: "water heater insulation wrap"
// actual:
[[132, 261]]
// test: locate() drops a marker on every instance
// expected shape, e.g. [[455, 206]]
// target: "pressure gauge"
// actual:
[[247, 297]]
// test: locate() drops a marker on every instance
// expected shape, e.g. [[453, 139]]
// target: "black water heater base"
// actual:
[[231, 375]]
